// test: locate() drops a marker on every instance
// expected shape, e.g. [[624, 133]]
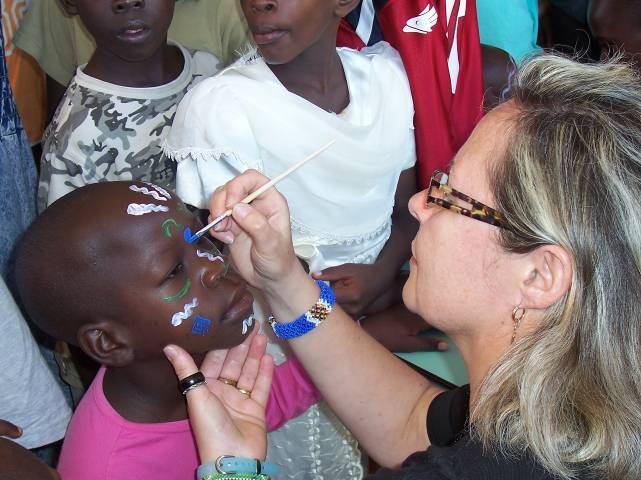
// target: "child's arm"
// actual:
[[292, 393], [357, 286]]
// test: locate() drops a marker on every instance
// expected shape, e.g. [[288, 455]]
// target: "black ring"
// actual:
[[192, 381]]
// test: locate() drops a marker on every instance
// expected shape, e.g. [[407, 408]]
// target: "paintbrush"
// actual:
[[192, 238]]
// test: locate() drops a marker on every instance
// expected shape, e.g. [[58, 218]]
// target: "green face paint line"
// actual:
[[167, 224], [183, 291]]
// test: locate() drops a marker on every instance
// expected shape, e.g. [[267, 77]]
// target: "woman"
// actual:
[[538, 283]]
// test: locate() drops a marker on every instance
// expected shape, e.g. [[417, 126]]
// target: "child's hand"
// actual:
[[8, 429], [398, 330], [225, 420], [356, 285]]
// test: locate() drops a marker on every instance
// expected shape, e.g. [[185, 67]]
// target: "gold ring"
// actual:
[[227, 381], [244, 392]]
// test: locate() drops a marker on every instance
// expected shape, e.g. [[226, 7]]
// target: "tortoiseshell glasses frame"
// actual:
[[439, 190]]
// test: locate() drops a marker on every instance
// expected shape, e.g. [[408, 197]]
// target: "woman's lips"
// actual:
[[268, 36]]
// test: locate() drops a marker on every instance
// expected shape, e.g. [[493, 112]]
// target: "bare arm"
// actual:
[[381, 400]]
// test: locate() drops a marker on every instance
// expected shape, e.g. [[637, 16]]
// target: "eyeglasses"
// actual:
[[441, 194]]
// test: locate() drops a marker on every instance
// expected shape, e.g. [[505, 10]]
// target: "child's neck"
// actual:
[[162, 67], [145, 392], [317, 76]]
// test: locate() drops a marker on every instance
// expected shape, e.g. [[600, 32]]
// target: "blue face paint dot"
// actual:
[[187, 235], [200, 326]]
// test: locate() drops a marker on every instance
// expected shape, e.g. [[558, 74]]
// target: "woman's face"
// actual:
[[460, 278]]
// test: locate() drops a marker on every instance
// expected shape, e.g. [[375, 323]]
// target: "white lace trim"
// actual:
[[324, 238], [194, 153]]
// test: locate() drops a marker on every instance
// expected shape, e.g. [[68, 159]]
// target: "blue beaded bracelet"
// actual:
[[308, 320]]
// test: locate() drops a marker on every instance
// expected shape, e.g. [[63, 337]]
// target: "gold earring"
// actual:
[[517, 315]]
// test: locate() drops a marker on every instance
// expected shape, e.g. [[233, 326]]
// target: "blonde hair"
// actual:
[[569, 394]]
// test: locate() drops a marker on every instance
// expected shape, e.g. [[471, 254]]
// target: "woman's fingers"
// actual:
[[262, 385], [184, 366], [251, 366]]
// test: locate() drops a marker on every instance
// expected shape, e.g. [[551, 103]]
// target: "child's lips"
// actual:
[[240, 307], [268, 35], [134, 32]]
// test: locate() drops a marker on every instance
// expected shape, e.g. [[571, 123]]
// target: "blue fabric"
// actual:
[[18, 182], [512, 26]]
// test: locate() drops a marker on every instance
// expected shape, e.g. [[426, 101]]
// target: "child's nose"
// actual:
[[263, 5], [123, 6], [212, 275]]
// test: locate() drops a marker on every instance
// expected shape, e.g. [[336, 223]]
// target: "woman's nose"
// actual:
[[417, 204], [123, 6]]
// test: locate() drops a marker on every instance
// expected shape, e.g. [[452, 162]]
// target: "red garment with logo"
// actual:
[[426, 37]]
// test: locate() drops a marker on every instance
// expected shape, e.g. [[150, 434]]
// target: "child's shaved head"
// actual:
[[107, 267], [64, 266]]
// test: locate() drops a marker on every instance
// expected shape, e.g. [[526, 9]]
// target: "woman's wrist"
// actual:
[[291, 296]]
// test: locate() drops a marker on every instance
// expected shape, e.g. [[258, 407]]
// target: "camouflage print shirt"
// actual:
[[103, 132]]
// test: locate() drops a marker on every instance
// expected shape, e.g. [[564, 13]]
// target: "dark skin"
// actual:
[[297, 39], [18, 462], [131, 41], [616, 24], [147, 273]]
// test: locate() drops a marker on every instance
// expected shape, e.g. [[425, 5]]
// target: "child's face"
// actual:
[[617, 24], [131, 30], [168, 290], [283, 29]]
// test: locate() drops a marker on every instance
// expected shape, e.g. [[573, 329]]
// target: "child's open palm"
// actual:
[[224, 419]]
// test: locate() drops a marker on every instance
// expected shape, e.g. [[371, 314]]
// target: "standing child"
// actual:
[[124, 283], [119, 107], [348, 210]]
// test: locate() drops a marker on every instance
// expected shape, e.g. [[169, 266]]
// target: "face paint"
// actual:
[[200, 326], [179, 317], [146, 191], [159, 189], [247, 323], [167, 224], [209, 256], [183, 291], [140, 209]]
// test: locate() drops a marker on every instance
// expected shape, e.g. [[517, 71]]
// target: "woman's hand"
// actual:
[[8, 429], [259, 234], [225, 420]]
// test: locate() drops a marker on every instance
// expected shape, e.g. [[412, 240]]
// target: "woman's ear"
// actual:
[[343, 7], [106, 343], [547, 278]]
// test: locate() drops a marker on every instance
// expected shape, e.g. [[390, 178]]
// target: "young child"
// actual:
[[118, 107], [107, 268], [348, 206], [615, 24]]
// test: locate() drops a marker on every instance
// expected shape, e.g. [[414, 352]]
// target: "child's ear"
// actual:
[[69, 6], [106, 342], [343, 7]]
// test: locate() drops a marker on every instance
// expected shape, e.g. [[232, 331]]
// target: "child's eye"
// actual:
[[175, 271]]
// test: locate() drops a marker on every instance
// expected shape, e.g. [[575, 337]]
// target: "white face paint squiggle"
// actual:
[[146, 191], [209, 256], [180, 317], [142, 208], [248, 322], [158, 189]]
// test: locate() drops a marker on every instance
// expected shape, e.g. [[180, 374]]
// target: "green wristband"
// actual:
[[233, 476]]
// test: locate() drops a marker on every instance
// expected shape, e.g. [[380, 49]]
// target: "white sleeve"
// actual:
[[211, 140]]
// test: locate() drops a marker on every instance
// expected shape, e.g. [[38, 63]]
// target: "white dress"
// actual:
[[340, 202]]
